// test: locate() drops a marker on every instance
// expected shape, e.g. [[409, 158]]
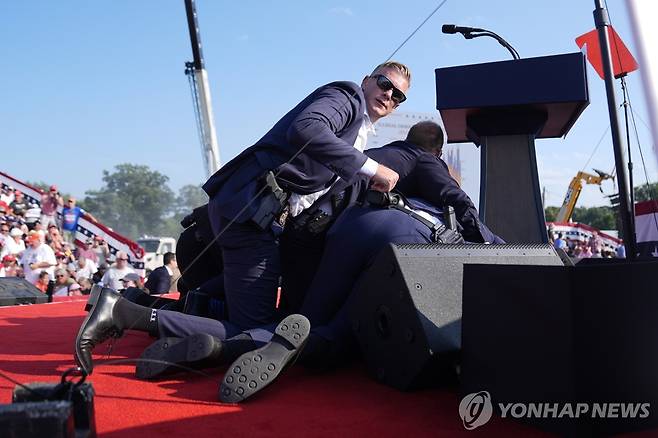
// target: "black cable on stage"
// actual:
[[17, 383]]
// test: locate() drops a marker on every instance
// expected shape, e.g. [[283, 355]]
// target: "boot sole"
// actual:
[[257, 369], [172, 353]]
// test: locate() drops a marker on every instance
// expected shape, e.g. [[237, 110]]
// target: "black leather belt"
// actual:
[[440, 233]]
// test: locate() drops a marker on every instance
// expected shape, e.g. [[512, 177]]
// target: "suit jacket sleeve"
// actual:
[[438, 187], [316, 128]]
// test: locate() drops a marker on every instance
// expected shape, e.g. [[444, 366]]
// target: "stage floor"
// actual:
[[37, 346]]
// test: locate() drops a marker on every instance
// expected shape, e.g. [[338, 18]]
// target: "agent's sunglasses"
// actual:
[[385, 84]]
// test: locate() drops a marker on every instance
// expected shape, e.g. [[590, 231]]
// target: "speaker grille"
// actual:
[[14, 290], [407, 309], [461, 246]]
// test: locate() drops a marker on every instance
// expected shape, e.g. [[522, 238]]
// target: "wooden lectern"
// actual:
[[503, 107]]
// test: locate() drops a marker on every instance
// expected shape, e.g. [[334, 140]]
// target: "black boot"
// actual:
[[108, 318], [256, 369], [170, 355], [98, 326]]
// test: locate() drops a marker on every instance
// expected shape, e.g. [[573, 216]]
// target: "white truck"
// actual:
[[154, 250]]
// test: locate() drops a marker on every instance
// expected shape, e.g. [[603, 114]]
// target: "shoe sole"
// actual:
[[170, 355], [257, 369]]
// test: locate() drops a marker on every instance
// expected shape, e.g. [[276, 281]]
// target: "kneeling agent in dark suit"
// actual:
[[198, 342], [363, 230]]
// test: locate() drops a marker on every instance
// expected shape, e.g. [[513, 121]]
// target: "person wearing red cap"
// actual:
[[36, 258], [9, 267], [49, 202], [20, 205]]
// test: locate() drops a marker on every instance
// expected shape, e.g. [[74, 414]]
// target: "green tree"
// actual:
[[189, 197], [135, 200], [40, 184], [46, 187], [551, 213], [646, 193], [602, 218]]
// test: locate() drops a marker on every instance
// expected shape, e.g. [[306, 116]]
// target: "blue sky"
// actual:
[[91, 84]]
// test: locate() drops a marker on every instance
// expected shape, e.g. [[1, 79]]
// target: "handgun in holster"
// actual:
[[273, 202]]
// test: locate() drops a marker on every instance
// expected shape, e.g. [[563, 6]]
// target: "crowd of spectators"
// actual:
[[39, 245], [585, 248]]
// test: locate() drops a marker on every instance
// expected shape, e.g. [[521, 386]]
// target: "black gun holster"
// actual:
[[272, 202]]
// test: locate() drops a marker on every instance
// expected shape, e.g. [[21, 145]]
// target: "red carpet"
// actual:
[[37, 345]]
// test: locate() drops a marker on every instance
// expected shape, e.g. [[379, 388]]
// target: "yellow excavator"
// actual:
[[574, 189]]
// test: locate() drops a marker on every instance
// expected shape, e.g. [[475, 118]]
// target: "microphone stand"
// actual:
[[512, 50]]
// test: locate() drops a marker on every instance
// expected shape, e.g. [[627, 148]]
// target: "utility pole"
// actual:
[[625, 207], [201, 94]]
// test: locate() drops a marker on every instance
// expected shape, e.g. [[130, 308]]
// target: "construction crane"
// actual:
[[574, 190], [198, 78]]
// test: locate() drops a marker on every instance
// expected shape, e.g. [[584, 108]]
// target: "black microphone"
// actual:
[[451, 28], [474, 32]]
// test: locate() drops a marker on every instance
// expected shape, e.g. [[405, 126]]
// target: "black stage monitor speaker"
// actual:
[[14, 290], [407, 309], [555, 336]]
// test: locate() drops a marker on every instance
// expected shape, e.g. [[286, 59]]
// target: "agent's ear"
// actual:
[[363, 82]]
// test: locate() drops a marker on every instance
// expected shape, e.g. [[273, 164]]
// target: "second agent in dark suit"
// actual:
[[159, 281], [423, 175]]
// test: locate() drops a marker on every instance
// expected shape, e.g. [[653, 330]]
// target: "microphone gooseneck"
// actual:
[[474, 32]]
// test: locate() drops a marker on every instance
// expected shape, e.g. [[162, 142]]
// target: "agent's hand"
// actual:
[[384, 179]]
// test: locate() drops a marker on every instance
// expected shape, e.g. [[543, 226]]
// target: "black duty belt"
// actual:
[[440, 233]]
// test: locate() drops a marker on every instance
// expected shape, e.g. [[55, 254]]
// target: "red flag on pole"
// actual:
[[623, 61]]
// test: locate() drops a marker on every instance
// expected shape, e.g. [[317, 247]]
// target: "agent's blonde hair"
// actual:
[[403, 69]]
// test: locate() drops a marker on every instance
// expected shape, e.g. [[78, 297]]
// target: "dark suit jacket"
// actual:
[[326, 123], [159, 281], [424, 175]]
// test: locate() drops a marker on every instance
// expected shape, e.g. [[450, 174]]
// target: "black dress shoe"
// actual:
[[170, 355], [98, 326], [256, 369]]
